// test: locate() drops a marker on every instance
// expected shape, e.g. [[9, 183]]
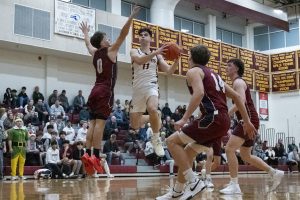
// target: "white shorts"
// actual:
[[140, 98]]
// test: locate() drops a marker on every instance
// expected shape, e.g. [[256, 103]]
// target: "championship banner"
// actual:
[[68, 16], [283, 62], [137, 25], [263, 106]]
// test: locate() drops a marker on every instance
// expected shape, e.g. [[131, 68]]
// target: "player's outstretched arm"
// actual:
[[163, 65], [194, 78], [124, 32], [85, 30], [249, 129], [143, 59]]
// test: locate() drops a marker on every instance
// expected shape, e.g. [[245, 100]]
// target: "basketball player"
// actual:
[[101, 99], [145, 85], [238, 140], [208, 92]]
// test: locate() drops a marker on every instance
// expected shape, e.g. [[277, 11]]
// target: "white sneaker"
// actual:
[[22, 178], [192, 189], [208, 183], [95, 175], [158, 148], [231, 188], [14, 178], [276, 179], [170, 195], [110, 176], [72, 174]]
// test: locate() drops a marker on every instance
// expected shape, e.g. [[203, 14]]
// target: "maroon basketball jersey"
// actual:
[[106, 70], [249, 107], [214, 98]]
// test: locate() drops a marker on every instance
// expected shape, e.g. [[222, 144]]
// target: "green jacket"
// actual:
[[19, 135]]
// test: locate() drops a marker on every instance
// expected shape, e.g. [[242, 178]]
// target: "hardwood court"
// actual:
[[253, 187]]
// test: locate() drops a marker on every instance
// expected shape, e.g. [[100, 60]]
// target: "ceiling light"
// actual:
[[185, 30], [277, 11]]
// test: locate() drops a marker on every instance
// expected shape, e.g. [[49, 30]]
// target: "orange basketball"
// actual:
[[173, 51]]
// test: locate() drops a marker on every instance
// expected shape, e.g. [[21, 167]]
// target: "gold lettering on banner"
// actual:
[[261, 62], [284, 82], [228, 52], [247, 57], [188, 41], [214, 48], [223, 74], [248, 77], [283, 61], [262, 82], [184, 64], [214, 65]]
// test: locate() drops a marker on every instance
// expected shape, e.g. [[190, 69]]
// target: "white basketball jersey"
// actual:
[[145, 75]]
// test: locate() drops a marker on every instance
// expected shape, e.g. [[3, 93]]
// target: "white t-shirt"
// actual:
[[148, 148], [81, 134], [70, 133]]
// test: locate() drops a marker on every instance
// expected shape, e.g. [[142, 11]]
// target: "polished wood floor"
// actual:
[[252, 186]]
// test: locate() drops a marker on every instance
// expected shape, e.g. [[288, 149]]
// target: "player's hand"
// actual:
[[162, 50], [84, 27], [249, 130], [179, 124], [135, 11]]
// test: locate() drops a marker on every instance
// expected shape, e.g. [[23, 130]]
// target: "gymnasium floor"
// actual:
[[252, 185]]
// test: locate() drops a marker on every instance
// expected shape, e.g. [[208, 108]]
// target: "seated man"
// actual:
[[293, 159], [56, 110], [70, 132], [112, 150]]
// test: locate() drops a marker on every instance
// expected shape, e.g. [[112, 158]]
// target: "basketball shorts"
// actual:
[[140, 98], [239, 131]]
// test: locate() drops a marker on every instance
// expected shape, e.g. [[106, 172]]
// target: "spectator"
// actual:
[[51, 122], [67, 160], [3, 116], [167, 159], [126, 108], [293, 159], [292, 146], [14, 101], [22, 97], [60, 123], [280, 153], [76, 155], [166, 111], [7, 99], [176, 116], [53, 161], [112, 150], [62, 138], [33, 153], [47, 136], [2, 150], [270, 157], [150, 154], [41, 147], [36, 95], [111, 127], [64, 101], [70, 132], [118, 104], [265, 145], [84, 114], [41, 109], [121, 118], [82, 132], [9, 122], [79, 101], [56, 110], [52, 98], [31, 129], [30, 105], [31, 117]]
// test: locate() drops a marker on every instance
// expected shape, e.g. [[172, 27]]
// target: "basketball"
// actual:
[[173, 51]]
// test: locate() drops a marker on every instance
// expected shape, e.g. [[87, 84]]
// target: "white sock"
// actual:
[[178, 187], [234, 180], [271, 171], [189, 175], [106, 168], [208, 176]]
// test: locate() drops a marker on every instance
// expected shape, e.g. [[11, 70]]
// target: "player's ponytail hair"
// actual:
[[97, 38], [239, 64]]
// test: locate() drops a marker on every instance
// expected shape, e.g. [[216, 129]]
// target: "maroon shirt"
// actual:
[[214, 97], [106, 70], [249, 107]]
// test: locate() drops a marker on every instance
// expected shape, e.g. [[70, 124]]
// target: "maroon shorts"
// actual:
[[208, 129], [216, 145], [100, 102], [239, 131]]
